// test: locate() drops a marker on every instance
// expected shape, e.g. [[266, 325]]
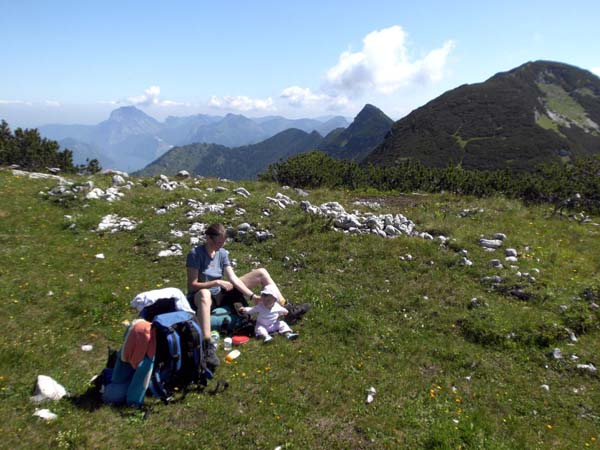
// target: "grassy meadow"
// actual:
[[394, 314]]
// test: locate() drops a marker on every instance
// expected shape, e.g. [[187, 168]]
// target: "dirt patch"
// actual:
[[342, 432]]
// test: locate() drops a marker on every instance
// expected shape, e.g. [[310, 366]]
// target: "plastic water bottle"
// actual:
[[214, 338], [227, 344], [232, 355]]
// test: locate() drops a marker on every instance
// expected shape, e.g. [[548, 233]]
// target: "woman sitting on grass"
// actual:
[[207, 264]]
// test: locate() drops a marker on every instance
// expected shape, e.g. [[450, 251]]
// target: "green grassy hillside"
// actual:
[[537, 113], [395, 314]]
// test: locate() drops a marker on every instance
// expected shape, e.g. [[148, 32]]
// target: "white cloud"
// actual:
[[595, 70], [241, 103], [14, 102], [299, 97], [383, 64], [150, 97], [52, 103]]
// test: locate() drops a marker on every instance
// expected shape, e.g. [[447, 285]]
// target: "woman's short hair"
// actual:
[[216, 230]]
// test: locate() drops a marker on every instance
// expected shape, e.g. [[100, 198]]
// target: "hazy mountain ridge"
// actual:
[[243, 162], [538, 112], [130, 139], [365, 132]]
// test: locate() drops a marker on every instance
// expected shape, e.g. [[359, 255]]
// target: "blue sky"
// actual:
[[75, 61]]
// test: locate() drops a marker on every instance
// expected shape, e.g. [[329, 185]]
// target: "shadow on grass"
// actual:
[[90, 400]]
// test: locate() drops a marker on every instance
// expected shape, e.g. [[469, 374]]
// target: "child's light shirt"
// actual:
[[265, 316]]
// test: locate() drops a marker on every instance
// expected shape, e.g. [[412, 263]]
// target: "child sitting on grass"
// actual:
[[268, 311]]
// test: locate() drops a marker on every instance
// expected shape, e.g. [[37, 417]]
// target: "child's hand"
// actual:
[[243, 309]]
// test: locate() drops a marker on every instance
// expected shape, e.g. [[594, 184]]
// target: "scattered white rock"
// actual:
[[370, 395], [470, 212], [100, 256], [496, 263], [495, 279], [114, 223], [244, 227], [556, 353], [45, 414], [384, 225], [198, 208], [37, 175], [47, 389], [115, 172], [545, 387], [87, 348], [263, 235], [110, 195], [490, 243], [572, 336], [173, 250], [466, 261], [370, 205], [242, 191], [118, 180], [587, 367]]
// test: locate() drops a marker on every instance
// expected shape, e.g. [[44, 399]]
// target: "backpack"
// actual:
[[227, 321], [179, 359]]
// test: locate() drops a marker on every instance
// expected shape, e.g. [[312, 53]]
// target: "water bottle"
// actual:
[[214, 339], [232, 355], [227, 344]]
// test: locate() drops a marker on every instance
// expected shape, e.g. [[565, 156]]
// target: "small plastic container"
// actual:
[[227, 344], [214, 337], [239, 340], [232, 355]]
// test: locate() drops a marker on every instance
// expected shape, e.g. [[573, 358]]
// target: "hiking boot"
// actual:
[[210, 354], [295, 312], [291, 336]]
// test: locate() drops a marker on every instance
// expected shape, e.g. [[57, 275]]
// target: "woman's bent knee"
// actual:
[[262, 274]]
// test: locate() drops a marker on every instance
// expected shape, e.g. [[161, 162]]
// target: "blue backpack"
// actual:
[[179, 359], [225, 320]]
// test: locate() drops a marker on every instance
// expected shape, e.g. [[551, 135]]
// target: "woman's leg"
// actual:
[[203, 302], [260, 278]]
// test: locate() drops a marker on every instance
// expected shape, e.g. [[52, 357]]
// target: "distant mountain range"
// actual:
[[130, 139], [366, 131], [539, 112]]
